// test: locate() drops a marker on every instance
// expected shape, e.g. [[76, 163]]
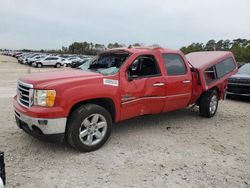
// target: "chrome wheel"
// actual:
[[93, 129], [213, 104]]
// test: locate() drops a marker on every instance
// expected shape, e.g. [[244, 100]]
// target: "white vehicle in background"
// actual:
[[22, 58], [48, 61], [25, 59], [35, 58]]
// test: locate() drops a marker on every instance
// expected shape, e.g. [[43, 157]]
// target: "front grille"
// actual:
[[240, 89], [24, 94], [239, 81]]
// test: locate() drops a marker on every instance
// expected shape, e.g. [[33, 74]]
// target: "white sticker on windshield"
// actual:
[[110, 82]]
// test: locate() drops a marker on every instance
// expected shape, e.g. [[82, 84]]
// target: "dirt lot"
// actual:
[[177, 149]]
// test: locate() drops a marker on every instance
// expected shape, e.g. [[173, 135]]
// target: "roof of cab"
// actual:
[[143, 49], [202, 60]]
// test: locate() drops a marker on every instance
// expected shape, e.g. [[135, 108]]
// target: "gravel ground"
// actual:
[[176, 149]]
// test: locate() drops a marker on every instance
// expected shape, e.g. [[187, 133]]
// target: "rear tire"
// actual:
[[209, 103], [89, 127], [58, 65]]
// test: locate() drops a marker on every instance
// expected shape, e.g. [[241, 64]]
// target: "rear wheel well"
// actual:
[[106, 103], [213, 88]]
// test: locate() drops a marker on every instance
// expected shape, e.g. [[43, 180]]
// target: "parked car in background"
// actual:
[[69, 60], [25, 60], [239, 84], [48, 61], [35, 58], [22, 58], [78, 63]]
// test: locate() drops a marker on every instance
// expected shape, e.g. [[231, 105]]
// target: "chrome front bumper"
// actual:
[[46, 126]]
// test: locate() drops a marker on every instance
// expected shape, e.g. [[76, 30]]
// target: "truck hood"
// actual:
[[49, 79]]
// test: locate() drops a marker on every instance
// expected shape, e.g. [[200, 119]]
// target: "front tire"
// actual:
[[39, 65], [209, 103], [89, 127]]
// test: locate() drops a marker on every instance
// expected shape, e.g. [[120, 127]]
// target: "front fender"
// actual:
[[77, 94]]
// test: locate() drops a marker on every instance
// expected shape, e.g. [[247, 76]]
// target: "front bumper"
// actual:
[[45, 129]]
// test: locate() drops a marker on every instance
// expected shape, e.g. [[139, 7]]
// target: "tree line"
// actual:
[[239, 47]]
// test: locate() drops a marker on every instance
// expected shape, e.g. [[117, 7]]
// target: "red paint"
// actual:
[[131, 98]]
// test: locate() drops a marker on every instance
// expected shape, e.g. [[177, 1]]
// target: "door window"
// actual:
[[144, 66], [174, 64]]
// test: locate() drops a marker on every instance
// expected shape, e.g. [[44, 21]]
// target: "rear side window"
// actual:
[[219, 70], [174, 64], [225, 67]]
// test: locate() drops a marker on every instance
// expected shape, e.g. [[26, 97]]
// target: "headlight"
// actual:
[[44, 97]]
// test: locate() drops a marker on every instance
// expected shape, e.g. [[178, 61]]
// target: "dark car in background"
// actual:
[[78, 63], [239, 84]]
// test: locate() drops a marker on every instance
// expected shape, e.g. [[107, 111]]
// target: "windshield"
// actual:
[[107, 64], [245, 69]]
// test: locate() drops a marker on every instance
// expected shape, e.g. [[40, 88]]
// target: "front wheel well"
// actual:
[[106, 103]]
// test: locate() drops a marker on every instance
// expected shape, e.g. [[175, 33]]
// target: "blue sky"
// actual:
[[51, 24]]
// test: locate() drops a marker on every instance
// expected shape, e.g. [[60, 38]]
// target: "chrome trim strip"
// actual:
[[178, 95], [25, 84], [155, 97]]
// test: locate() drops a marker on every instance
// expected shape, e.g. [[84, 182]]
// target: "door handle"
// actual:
[[158, 84], [186, 81]]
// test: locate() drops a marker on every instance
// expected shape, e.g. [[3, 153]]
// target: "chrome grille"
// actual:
[[238, 81], [24, 94]]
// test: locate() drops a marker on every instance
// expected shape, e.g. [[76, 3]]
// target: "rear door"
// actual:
[[178, 81], [53, 60], [144, 91]]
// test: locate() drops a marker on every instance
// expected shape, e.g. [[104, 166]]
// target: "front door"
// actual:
[[144, 90]]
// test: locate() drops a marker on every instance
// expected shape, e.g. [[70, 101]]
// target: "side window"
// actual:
[[144, 66], [48, 58], [219, 70], [210, 75], [174, 64], [225, 67]]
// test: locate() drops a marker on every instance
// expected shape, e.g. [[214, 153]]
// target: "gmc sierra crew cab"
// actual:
[[81, 106]]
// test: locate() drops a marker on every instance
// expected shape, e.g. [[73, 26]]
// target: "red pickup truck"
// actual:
[[82, 105]]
